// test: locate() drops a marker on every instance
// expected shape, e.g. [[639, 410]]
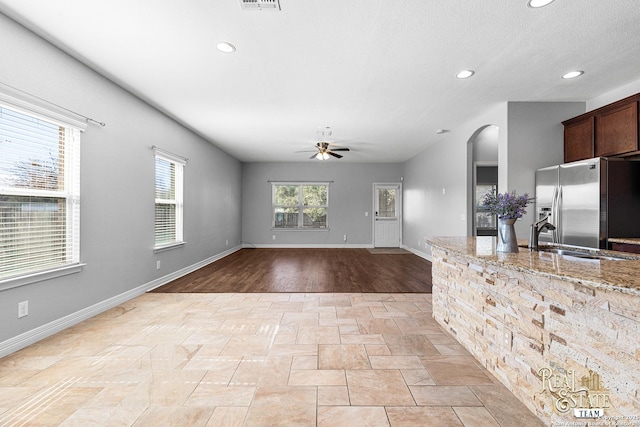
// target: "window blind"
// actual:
[[168, 200], [39, 193]]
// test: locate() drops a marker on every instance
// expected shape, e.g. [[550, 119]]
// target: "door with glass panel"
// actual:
[[387, 215]]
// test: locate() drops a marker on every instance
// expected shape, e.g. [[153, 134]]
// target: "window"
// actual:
[[39, 193], [300, 206], [387, 201], [168, 217], [485, 222]]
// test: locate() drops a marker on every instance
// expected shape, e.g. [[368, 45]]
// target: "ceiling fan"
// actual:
[[323, 149]]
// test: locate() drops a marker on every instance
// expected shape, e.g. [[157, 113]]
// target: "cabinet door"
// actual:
[[617, 130], [623, 247], [578, 140]]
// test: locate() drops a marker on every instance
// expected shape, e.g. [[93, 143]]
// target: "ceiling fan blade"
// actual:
[[306, 151], [334, 154], [339, 149], [313, 157]]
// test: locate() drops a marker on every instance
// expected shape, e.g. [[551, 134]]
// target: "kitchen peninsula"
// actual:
[[562, 333]]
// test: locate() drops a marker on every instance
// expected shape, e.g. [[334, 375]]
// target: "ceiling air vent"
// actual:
[[260, 4]]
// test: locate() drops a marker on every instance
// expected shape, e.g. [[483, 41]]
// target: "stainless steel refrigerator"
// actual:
[[589, 201]]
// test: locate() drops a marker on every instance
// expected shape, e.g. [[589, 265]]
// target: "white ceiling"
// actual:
[[380, 73]]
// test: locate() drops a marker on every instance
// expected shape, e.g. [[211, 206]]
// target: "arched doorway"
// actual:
[[482, 155]]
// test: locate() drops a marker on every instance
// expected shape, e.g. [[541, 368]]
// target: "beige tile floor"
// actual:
[[255, 360]]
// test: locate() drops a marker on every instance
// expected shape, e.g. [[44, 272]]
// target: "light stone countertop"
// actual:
[[625, 240], [621, 276]]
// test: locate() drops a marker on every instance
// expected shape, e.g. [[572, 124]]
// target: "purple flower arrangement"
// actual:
[[506, 205]]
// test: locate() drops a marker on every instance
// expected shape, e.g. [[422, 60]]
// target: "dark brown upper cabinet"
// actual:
[[611, 131], [617, 130], [578, 140]]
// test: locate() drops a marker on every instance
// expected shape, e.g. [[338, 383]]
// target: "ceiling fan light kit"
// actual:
[[325, 152], [323, 149]]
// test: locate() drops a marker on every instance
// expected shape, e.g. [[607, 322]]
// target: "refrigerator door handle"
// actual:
[[559, 237], [555, 212]]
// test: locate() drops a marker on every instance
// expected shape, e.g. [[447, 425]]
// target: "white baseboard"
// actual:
[[419, 253], [307, 246], [41, 332], [183, 272]]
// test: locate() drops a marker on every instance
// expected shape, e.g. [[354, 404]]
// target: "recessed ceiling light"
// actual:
[[226, 47], [573, 74], [538, 3], [465, 74]]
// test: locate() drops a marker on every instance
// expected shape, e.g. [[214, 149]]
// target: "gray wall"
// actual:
[[117, 186], [350, 196], [535, 140], [530, 136], [485, 145], [446, 163]]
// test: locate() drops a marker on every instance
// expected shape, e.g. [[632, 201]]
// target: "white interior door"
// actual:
[[387, 215]]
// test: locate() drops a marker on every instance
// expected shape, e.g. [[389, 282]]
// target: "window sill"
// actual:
[[26, 279], [168, 247]]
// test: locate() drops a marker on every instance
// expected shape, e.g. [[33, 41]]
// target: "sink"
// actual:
[[581, 254], [584, 253], [566, 252]]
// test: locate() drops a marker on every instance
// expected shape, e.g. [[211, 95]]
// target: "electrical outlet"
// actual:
[[345, 237], [273, 237], [366, 214], [227, 242], [23, 309], [508, 339], [158, 265]]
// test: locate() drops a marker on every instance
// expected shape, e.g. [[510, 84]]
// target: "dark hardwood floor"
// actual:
[[308, 270]]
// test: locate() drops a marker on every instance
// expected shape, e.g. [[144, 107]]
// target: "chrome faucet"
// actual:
[[536, 229]]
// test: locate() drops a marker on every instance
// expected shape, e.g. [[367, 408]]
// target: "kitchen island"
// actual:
[[562, 333]]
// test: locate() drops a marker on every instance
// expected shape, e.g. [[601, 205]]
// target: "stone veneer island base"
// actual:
[[562, 334]]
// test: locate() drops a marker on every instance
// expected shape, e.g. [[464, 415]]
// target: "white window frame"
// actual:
[[179, 164], [34, 107], [300, 206]]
